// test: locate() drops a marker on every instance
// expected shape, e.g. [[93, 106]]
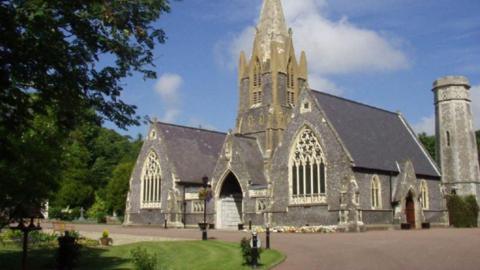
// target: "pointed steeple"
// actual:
[[272, 27]]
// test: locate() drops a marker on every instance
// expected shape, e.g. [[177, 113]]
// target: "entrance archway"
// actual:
[[410, 209], [229, 209]]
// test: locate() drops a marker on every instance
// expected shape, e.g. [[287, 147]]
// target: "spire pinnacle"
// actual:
[[272, 26]]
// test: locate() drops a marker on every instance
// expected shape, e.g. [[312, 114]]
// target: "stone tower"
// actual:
[[456, 143], [270, 80]]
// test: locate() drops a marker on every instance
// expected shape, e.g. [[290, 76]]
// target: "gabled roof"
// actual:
[[377, 139], [251, 157], [192, 151]]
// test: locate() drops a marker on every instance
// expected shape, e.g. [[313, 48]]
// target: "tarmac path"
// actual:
[[436, 249]]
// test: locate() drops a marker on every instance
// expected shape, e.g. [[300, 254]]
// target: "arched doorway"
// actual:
[[410, 210], [229, 209]]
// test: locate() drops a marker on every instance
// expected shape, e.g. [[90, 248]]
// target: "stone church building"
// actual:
[[298, 156]]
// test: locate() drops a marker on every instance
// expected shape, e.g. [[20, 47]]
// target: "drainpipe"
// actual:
[[391, 197], [184, 209]]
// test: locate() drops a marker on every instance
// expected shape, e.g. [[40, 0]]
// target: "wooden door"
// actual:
[[410, 212]]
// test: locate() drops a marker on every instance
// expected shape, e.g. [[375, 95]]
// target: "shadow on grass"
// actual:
[[45, 258]]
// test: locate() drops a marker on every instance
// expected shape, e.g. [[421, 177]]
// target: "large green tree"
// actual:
[[52, 64]]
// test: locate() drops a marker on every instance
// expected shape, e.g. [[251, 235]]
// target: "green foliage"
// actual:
[[99, 159], [68, 214], [247, 252], [105, 234], [429, 143], [142, 260], [118, 186], [50, 76], [463, 211], [36, 239], [98, 210]]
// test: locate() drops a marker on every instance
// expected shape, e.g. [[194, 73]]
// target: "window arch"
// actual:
[[307, 170], [257, 94], [290, 84], [424, 194], [151, 182], [376, 191]]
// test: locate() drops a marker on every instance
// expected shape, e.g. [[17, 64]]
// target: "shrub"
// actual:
[[98, 210], [68, 251], [142, 260], [41, 239], [54, 212], [105, 234], [247, 252], [463, 211], [472, 207]]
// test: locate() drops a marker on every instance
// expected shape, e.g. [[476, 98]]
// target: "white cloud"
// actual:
[[168, 87], [426, 124], [320, 83], [332, 47]]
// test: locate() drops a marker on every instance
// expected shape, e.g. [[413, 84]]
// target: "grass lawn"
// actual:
[[209, 255]]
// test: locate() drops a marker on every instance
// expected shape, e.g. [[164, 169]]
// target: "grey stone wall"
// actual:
[[150, 216], [338, 167], [456, 142]]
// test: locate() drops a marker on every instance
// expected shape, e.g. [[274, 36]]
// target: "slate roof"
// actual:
[[193, 151], [251, 157], [377, 139]]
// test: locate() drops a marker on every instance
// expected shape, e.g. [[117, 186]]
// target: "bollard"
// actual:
[[254, 250], [250, 225], [267, 242], [165, 224]]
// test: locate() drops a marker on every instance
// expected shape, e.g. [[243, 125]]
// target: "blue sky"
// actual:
[[385, 53]]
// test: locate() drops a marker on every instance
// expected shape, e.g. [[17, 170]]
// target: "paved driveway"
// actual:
[[436, 249]]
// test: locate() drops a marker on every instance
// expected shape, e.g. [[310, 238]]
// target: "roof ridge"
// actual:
[[355, 102], [194, 128]]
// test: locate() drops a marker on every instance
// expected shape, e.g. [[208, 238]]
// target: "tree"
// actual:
[[429, 143], [117, 188], [51, 66]]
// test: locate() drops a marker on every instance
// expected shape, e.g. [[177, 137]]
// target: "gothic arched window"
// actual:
[[424, 194], [257, 94], [290, 84], [307, 169], [376, 190], [151, 182]]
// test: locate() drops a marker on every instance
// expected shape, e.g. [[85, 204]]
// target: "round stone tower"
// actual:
[[456, 143]]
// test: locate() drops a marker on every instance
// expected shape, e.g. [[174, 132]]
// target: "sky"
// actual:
[[385, 53]]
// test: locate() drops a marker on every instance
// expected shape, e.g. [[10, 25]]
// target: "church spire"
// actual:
[[272, 27]]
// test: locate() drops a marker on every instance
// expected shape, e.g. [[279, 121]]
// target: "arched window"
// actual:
[[424, 194], [307, 170], [151, 182], [376, 190], [290, 84], [257, 94]]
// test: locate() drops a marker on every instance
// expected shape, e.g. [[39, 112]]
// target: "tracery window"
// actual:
[[424, 194], [151, 182], [376, 191], [307, 170]]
